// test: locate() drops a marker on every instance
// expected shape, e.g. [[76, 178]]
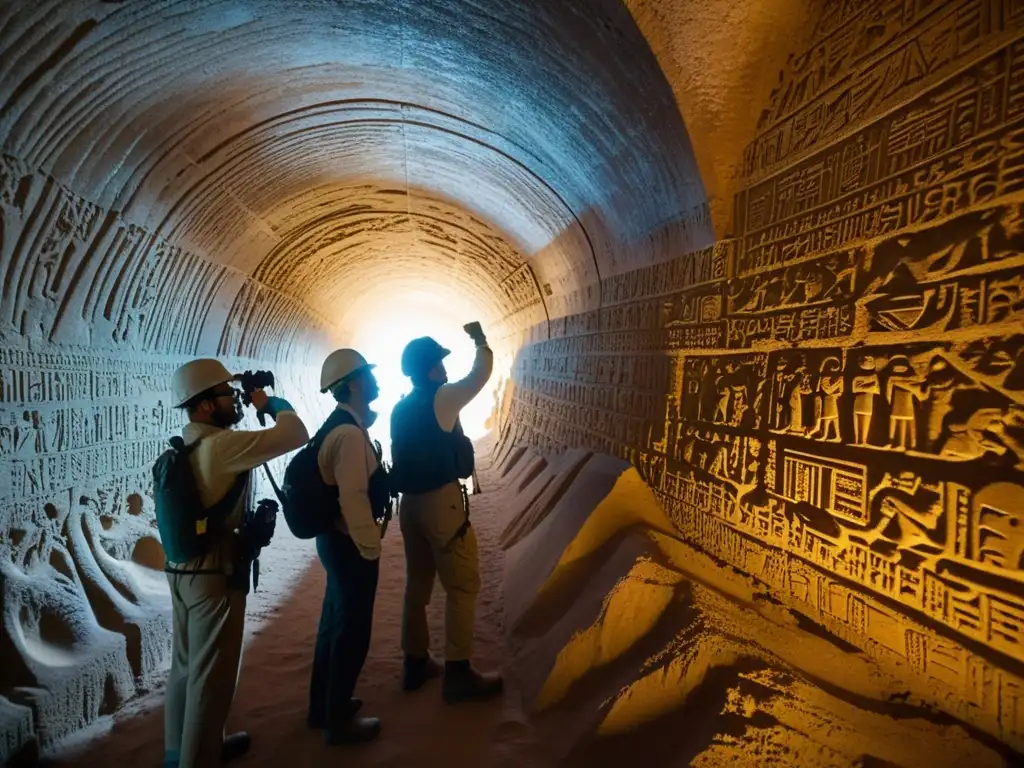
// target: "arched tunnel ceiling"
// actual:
[[416, 239], [231, 128]]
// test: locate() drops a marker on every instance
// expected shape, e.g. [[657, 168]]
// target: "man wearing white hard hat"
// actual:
[[349, 552], [208, 589]]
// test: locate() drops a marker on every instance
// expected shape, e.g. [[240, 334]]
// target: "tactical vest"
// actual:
[[423, 456]]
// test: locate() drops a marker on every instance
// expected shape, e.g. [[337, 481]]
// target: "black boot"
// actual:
[[417, 670], [318, 722], [463, 683], [235, 745], [355, 730]]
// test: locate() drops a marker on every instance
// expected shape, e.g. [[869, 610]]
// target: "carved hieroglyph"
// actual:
[[833, 400], [96, 314]]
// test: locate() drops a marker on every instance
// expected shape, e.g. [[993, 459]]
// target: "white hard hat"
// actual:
[[195, 377], [341, 364]]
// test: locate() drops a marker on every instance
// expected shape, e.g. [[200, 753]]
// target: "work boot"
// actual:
[[463, 683], [319, 722], [355, 730], [235, 745], [417, 670]]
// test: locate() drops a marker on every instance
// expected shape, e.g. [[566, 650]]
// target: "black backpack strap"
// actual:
[[337, 419], [220, 511]]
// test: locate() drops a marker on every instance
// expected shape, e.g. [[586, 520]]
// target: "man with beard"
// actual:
[[350, 551], [431, 454], [209, 588]]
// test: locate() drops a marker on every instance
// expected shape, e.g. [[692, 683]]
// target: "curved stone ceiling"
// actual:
[[314, 146]]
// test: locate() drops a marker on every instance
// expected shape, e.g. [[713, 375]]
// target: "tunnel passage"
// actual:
[[800, 319]]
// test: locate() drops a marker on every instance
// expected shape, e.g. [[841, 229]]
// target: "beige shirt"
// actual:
[[346, 459], [450, 399], [222, 456]]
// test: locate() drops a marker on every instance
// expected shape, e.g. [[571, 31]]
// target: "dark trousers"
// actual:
[[343, 637]]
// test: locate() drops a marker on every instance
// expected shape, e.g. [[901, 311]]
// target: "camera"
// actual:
[[259, 524], [254, 534], [251, 381]]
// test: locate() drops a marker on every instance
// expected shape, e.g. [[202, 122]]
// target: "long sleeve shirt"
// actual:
[[224, 454], [450, 399], [346, 459]]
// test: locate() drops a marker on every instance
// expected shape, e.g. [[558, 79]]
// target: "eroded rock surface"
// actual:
[[769, 256]]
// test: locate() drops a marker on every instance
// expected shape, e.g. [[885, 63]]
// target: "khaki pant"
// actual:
[[430, 524], [208, 623]]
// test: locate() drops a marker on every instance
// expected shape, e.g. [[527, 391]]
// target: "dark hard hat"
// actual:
[[422, 354]]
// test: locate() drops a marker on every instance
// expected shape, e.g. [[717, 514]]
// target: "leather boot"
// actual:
[[355, 730], [235, 745], [463, 683], [417, 670], [319, 722]]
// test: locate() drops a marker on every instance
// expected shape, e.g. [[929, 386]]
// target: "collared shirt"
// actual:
[[346, 459], [450, 399], [223, 455]]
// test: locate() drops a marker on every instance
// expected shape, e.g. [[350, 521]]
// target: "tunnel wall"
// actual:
[[97, 313], [832, 399]]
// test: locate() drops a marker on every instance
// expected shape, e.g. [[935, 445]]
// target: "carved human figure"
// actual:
[[739, 403], [902, 390], [830, 388], [722, 386], [842, 277], [942, 383], [801, 387], [864, 386], [688, 445], [717, 458], [42, 298], [796, 286], [779, 381]]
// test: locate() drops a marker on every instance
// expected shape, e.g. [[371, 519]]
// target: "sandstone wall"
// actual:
[[832, 399], [828, 398], [96, 315]]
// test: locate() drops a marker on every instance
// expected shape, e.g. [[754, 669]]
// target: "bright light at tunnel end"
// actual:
[[382, 335]]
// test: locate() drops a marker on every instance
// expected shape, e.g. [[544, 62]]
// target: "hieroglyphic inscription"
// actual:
[[694, 269], [962, 274], [848, 81], [39, 266], [967, 157], [843, 404], [76, 274], [263, 320]]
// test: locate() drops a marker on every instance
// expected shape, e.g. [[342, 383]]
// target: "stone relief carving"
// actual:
[[79, 429], [842, 79], [842, 411]]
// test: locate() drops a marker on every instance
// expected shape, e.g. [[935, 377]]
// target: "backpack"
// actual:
[[310, 505], [187, 529]]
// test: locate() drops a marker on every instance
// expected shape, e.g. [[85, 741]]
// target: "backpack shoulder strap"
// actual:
[[226, 505], [222, 508], [337, 418], [178, 443]]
